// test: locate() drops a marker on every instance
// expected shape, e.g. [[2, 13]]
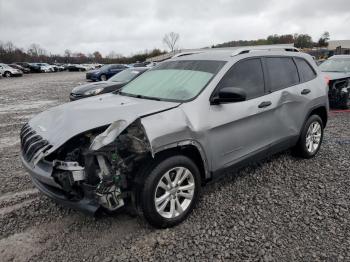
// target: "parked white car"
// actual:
[[8, 71], [46, 68]]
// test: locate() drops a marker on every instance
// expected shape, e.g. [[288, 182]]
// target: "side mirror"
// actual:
[[229, 95]]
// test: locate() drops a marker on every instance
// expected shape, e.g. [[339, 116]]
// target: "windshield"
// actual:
[[105, 67], [125, 75], [174, 80], [336, 65]]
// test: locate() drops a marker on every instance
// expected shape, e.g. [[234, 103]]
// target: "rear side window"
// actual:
[[282, 72], [248, 75], [305, 71]]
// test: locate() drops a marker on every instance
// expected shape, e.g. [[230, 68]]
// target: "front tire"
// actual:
[[170, 191], [7, 74], [311, 138]]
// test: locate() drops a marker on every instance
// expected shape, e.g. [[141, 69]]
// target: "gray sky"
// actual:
[[130, 26]]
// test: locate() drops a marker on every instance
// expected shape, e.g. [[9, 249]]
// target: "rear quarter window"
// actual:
[[305, 70], [282, 72]]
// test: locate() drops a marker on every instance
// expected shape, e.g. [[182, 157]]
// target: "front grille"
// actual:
[[32, 143]]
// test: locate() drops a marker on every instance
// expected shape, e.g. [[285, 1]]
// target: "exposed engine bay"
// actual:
[[103, 160], [339, 93]]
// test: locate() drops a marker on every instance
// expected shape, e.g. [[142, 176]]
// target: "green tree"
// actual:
[[323, 41]]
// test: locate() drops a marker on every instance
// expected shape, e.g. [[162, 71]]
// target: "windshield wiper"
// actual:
[[334, 71], [139, 96]]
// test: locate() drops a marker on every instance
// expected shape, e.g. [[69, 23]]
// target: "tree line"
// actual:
[[299, 41], [9, 53]]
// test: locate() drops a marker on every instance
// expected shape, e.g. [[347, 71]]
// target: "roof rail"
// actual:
[[249, 49], [187, 53]]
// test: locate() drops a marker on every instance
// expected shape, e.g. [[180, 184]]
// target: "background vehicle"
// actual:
[[8, 71], [31, 66], [105, 72], [337, 70], [23, 69], [76, 67], [177, 126], [45, 67], [113, 84]]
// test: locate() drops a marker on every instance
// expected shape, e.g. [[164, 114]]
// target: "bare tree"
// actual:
[[36, 50], [170, 40], [67, 53], [113, 55]]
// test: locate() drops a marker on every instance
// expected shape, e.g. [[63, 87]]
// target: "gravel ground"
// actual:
[[281, 209]]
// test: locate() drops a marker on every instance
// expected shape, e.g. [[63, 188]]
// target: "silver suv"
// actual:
[[165, 134]]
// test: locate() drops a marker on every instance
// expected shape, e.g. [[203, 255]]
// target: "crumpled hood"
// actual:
[[59, 124], [336, 75]]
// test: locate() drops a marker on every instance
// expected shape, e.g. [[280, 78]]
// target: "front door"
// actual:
[[240, 129]]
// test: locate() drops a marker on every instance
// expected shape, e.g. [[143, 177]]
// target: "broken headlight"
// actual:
[[93, 92]]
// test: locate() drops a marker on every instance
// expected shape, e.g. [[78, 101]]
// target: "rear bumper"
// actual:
[[42, 179]]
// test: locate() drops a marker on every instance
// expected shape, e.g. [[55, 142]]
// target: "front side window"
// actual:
[[246, 74], [305, 70], [282, 72], [174, 80]]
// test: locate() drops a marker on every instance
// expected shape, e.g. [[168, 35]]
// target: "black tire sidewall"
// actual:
[[151, 182], [302, 142]]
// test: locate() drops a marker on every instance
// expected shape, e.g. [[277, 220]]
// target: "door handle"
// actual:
[[305, 91], [265, 104]]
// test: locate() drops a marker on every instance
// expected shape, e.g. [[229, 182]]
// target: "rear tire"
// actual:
[[170, 192], [310, 138]]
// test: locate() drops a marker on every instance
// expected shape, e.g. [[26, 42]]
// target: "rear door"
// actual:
[[115, 69], [289, 98], [241, 129]]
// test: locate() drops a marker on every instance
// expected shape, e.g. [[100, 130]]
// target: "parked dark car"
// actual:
[[113, 84], [34, 68], [76, 68], [105, 72], [23, 69], [337, 70]]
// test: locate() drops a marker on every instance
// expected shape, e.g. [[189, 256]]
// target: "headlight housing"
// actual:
[[93, 92]]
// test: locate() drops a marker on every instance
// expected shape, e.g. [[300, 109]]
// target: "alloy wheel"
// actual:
[[174, 192], [313, 137]]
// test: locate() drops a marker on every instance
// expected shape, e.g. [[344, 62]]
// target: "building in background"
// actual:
[[339, 46]]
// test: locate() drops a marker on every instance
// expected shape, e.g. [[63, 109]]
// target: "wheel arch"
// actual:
[[192, 150], [321, 111]]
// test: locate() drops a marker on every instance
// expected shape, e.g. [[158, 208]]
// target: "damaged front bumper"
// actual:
[[41, 175]]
